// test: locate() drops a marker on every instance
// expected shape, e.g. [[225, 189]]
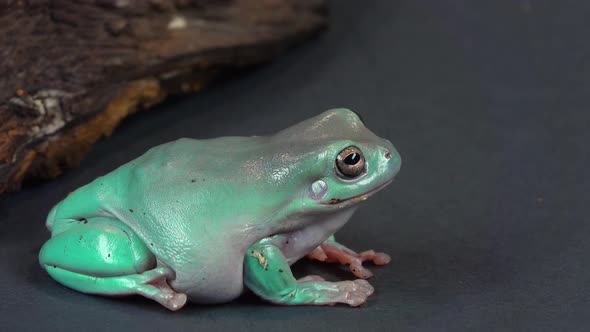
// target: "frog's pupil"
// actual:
[[352, 159]]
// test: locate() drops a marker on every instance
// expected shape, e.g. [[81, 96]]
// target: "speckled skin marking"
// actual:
[[182, 221]]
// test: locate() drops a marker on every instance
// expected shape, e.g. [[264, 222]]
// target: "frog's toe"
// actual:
[[156, 275], [378, 258], [355, 292], [356, 264], [176, 301], [359, 270], [153, 284], [318, 254]]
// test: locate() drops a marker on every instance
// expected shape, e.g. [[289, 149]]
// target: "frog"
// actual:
[[207, 220]]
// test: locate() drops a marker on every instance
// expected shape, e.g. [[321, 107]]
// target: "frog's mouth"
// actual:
[[357, 198]]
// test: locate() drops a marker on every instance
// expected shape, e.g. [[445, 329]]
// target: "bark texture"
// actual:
[[71, 70]]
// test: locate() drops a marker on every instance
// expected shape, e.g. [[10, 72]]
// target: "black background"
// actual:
[[487, 222]]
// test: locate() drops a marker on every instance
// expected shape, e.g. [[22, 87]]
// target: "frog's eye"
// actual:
[[350, 163]]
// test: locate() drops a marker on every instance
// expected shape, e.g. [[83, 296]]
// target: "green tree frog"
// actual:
[[205, 220]]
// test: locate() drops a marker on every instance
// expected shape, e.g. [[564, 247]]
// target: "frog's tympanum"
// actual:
[[204, 220]]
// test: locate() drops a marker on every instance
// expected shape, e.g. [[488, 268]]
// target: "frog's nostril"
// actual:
[[388, 154]]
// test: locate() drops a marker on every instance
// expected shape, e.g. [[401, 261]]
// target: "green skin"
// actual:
[[201, 219]]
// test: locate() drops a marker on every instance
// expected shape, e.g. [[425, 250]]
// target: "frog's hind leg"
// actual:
[[151, 284], [105, 257]]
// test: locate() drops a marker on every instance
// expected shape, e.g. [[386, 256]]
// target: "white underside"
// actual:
[[224, 282]]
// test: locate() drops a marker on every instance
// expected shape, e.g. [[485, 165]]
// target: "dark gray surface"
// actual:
[[487, 223]]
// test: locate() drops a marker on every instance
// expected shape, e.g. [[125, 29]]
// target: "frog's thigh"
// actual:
[[101, 248], [105, 257]]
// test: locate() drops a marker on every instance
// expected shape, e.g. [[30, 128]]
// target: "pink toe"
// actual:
[[381, 258]]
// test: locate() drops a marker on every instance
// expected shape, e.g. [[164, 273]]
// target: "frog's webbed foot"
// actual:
[[333, 252]]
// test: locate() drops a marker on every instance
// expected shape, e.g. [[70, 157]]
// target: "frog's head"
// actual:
[[340, 162]]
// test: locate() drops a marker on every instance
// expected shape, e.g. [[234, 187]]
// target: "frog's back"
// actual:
[[172, 170]]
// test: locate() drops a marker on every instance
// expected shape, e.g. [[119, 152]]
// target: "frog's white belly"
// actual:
[[218, 276], [215, 283]]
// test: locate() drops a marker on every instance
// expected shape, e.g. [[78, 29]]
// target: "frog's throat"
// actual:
[[358, 198]]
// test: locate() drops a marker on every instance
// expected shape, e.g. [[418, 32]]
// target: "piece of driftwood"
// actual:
[[71, 70]]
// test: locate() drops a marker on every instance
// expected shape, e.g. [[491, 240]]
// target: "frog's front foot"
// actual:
[[333, 252], [351, 292], [267, 273], [354, 292]]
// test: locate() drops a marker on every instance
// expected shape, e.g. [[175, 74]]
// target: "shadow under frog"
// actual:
[[205, 219]]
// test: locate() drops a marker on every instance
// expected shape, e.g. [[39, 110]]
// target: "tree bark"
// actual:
[[70, 71]]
